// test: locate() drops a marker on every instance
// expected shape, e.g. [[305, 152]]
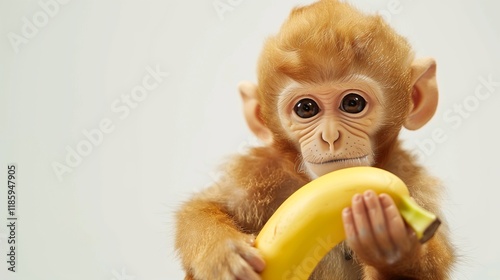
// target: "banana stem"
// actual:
[[423, 222]]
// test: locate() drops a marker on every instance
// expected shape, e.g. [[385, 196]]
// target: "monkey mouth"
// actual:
[[316, 169], [359, 160]]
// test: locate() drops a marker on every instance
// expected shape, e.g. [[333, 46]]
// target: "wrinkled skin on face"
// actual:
[[332, 123]]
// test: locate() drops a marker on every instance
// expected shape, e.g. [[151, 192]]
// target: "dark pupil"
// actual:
[[353, 103], [306, 108]]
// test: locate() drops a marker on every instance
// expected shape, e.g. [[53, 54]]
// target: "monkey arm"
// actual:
[[215, 228], [207, 237]]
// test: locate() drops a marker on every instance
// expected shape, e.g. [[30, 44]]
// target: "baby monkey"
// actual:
[[335, 87]]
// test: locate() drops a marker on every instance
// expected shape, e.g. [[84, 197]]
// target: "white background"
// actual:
[[111, 216]]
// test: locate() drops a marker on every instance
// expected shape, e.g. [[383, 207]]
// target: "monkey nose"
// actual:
[[330, 135]]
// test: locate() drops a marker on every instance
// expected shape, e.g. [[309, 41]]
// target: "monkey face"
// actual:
[[332, 124]]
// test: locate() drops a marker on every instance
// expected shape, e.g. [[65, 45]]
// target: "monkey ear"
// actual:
[[251, 109], [424, 95]]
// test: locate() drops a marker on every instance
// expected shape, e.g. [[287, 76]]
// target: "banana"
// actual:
[[309, 223]]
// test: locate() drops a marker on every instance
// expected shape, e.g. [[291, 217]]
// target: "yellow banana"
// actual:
[[309, 223]]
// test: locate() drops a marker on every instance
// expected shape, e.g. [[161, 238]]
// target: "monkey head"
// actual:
[[335, 87]]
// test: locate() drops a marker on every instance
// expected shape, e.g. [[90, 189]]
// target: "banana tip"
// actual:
[[430, 231]]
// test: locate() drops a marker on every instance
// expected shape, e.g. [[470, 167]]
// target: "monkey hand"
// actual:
[[377, 233], [230, 259]]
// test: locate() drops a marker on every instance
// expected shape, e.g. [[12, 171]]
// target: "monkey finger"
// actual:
[[360, 217], [362, 224], [243, 271], [349, 228], [395, 223], [350, 232], [362, 252], [377, 220], [253, 258]]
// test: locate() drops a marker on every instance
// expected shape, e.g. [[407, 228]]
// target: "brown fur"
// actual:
[[320, 42]]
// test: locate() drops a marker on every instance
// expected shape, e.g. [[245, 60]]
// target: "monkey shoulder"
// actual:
[[266, 171], [255, 183]]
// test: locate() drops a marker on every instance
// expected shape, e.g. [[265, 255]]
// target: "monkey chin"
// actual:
[[316, 170]]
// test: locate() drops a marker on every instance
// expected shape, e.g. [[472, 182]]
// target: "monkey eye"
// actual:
[[353, 103], [306, 108]]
